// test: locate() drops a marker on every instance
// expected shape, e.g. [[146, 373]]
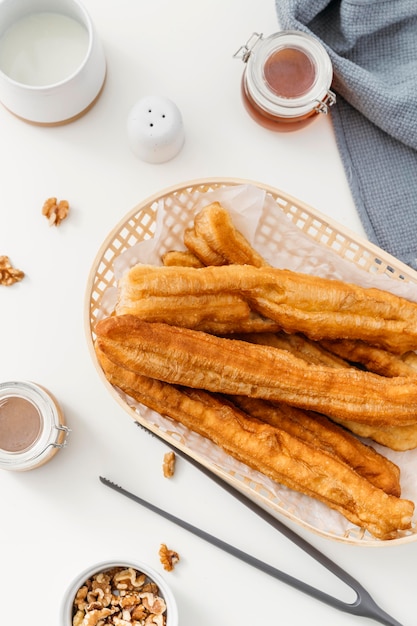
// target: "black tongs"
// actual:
[[364, 605]]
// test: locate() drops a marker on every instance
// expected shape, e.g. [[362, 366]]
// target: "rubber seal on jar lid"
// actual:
[[288, 73]]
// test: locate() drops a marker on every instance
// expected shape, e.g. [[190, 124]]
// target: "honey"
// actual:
[[32, 426], [289, 72], [20, 424], [287, 79]]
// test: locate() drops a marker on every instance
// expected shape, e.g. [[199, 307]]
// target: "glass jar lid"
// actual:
[[288, 74]]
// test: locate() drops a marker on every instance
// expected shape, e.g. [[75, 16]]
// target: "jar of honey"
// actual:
[[32, 427], [287, 79]]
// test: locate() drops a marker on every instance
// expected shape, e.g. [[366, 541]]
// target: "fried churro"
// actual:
[[189, 311], [200, 248], [374, 359], [320, 308], [310, 351], [181, 258], [272, 451], [196, 359], [325, 435], [214, 226], [399, 438]]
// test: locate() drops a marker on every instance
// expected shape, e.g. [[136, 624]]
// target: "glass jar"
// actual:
[[287, 79], [32, 426]]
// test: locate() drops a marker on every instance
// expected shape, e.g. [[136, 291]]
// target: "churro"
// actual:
[[196, 359], [320, 308], [214, 226], [272, 451], [325, 435]]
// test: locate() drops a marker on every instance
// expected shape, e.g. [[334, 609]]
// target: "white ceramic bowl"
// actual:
[[62, 99], [153, 576]]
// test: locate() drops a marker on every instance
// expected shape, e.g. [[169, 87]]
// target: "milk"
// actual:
[[43, 48]]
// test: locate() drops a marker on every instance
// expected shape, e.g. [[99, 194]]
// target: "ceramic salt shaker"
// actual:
[[155, 129]]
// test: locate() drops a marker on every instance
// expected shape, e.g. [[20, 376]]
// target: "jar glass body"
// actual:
[[32, 426], [287, 79]]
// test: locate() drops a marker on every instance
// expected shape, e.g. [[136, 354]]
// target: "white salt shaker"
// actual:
[[155, 129]]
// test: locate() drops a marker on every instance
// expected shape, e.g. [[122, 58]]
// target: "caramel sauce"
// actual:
[[273, 122], [289, 72], [20, 424]]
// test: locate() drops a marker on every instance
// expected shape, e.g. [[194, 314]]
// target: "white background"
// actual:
[[58, 519]]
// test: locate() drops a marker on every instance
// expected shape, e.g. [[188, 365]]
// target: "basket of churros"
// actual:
[[272, 346]]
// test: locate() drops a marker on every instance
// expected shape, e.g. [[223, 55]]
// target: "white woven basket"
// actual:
[[357, 254]]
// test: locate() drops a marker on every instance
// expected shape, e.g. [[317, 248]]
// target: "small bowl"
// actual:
[[171, 613], [52, 64]]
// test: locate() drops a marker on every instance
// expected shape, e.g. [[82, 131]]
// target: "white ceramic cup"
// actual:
[[71, 95], [164, 590]]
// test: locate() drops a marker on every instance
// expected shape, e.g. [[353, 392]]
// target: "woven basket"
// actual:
[[138, 226]]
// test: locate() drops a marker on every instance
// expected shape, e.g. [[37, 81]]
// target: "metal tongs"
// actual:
[[364, 605]]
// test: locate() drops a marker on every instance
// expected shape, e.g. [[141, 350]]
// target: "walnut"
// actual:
[[169, 464], [55, 211], [154, 620], [9, 274], [119, 621], [121, 597], [93, 617], [168, 558], [78, 618], [153, 604], [150, 588], [129, 579], [139, 613]]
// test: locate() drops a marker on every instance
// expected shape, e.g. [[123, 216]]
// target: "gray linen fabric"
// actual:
[[373, 47]]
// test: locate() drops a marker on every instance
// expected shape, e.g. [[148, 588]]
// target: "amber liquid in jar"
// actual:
[[20, 424], [32, 426], [287, 79], [272, 122], [289, 72]]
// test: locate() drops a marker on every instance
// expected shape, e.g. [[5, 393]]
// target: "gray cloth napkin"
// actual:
[[373, 47]]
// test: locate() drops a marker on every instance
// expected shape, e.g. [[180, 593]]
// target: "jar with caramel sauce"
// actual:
[[287, 79], [32, 426]]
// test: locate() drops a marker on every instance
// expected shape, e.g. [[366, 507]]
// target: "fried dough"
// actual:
[[196, 359], [200, 248], [189, 311], [399, 438], [214, 226], [320, 308], [273, 452], [310, 351], [181, 258], [325, 435], [374, 359]]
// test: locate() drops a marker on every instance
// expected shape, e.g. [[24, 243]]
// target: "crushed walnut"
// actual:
[[55, 211], [169, 464], [121, 596], [9, 274], [168, 558]]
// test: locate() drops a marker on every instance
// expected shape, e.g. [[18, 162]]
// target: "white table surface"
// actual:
[[58, 519]]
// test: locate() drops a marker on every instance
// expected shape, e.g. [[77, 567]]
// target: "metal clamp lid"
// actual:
[[66, 431], [245, 51], [324, 105]]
